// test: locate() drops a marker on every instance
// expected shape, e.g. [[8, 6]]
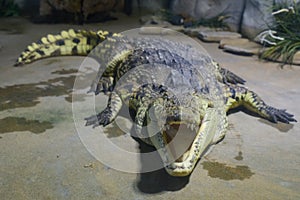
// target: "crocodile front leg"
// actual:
[[227, 76], [108, 115], [105, 85]]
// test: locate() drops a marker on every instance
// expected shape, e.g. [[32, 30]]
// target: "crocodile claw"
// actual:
[[102, 118], [280, 115]]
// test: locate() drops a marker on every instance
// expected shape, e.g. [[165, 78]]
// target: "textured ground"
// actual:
[[43, 157]]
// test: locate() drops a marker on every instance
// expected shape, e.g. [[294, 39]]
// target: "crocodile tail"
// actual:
[[70, 42]]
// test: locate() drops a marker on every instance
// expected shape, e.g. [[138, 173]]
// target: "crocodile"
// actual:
[[178, 97]]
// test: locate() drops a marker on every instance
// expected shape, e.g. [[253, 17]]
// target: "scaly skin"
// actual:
[[170, 87], [67, 43]]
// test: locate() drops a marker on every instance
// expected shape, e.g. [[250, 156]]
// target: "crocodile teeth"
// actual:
[[167, 126], [189, 126], [193, 127]]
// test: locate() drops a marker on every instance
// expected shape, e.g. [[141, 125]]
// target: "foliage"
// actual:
[[8, 8], [284, 35]]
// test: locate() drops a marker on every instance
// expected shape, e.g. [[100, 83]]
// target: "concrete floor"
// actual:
[[44, 155]]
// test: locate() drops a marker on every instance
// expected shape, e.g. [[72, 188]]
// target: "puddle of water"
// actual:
[[65, 71], [12, 124], [240, 156], [73, 98], [225, 172], [113, 131], [26, 95]]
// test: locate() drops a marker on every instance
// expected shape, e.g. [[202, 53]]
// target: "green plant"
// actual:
[[8, 8], [283, 39]]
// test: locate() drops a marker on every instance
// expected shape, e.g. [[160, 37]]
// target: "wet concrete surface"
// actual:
[[43, 157]]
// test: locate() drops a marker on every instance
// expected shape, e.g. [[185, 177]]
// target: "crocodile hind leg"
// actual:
[[108, 115], [230, 77], [227, 76], [237, 95]]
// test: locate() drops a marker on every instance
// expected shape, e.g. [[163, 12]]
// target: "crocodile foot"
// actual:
[[279, 115], [103, 118]]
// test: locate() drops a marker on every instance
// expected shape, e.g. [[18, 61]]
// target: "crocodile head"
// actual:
[[176, 130]]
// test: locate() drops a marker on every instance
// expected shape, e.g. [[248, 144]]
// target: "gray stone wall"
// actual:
[[257, 16], [199, 9], [248, 17], [149, 5]]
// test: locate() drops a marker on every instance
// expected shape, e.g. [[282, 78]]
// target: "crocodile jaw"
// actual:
[[185, 164], [175, 165]]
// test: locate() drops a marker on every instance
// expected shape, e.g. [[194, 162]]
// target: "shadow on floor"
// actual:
[[159, 180], [282, 127]]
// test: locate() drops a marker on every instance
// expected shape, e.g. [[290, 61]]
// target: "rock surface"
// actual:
[[207, 9], [217, 36], [240, 46], [256, 17], [246, 16], [79, 8], [297, 58]]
